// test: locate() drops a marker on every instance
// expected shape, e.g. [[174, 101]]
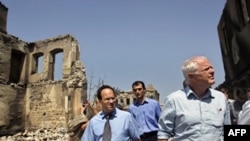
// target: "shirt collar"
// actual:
[[190, 93], [144, 102], [112, 114]]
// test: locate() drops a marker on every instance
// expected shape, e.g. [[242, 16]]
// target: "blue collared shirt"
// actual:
[[123, 127], [146, 114], [187, 117]]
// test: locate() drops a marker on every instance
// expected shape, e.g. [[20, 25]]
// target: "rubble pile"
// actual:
[[59, 134]]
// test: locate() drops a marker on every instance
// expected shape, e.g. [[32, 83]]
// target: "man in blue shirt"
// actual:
[[196, 112], [145, 111], [123, 126]]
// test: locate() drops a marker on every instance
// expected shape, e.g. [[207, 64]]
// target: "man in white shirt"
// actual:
[[244, 115]]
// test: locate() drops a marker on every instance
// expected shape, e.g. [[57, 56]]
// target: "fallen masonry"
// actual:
[[58, 134]]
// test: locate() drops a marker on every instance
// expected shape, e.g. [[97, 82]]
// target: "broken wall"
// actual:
[[30, 99], [52, 103], [12, 97]]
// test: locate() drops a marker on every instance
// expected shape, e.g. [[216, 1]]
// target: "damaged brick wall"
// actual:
[[30, 99], [12, 97]]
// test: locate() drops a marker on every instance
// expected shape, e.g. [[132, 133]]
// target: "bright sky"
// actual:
[[126, 40]]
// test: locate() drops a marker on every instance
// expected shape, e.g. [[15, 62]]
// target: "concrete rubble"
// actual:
[[59, 134]]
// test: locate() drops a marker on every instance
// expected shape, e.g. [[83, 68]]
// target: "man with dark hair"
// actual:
[[145, 111], [120, 124]]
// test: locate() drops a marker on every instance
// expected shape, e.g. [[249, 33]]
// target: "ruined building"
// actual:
[[30, 99], [234, 35]]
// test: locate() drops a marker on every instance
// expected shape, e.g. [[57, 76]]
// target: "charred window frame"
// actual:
[[16, 65], [243, 11], [248, 7]]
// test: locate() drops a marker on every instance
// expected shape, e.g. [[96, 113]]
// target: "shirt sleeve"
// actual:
[[88, 134], [227, 115], [133, 128], [158, 111], [244, 115], [166, 120]]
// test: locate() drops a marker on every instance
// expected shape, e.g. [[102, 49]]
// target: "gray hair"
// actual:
[[191, 66]]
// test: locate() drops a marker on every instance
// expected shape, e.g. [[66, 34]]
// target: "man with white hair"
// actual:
[[196, 112]]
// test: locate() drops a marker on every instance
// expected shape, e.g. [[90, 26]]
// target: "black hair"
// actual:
[[139, 82], [99, 91]]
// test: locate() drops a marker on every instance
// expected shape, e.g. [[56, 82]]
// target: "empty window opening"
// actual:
[[128, 101], [16, 65], [40, 64], [37, 63], [56, 66]]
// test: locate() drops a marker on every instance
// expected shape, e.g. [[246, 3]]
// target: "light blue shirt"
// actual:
[[123, 127], [244, 115], [190, 118], [146, 114]]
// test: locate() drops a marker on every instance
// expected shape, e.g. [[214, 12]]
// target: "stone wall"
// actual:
[[45, 106], [32, 100], [12, 108]]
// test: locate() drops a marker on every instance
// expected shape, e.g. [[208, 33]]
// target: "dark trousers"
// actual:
[[151, 136]]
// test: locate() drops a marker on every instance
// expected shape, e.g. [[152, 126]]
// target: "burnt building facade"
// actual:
[[234, 35]]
